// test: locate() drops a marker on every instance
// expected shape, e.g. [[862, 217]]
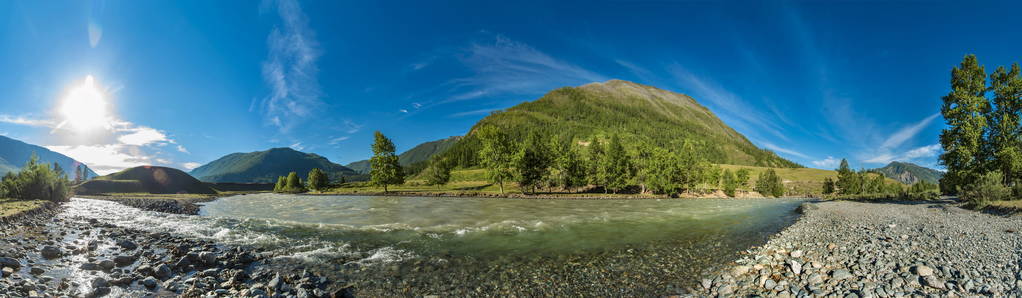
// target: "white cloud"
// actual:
[[163, 161], [182, 149], [927, 152], [338, 140], [416, 105], [105, 159], [21, 120], [907, 132], [297, 146], [290, 69], [776, 148], [190, 165], [403, 111], [142, 135], [826, 163]]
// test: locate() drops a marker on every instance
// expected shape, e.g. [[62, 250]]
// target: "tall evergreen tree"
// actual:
[[497, 155], [845, 178], [742, 177], [828, 186], [384, 167], [594, 163], [618, 169], [730, 183], [769, 184], [532, 162], [1004, 125], [964, 109]]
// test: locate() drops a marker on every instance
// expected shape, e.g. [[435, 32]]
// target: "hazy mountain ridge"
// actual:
[[14, 154], [910, 173], [266, 166]]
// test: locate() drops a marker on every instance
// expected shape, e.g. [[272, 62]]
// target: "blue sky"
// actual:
[[185, 82]]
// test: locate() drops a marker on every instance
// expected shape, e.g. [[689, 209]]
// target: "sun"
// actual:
[[84, 107]]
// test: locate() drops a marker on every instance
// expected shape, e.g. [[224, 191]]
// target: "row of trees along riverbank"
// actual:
[[36, 181], [567, 165], [871, 184], [983, 139]]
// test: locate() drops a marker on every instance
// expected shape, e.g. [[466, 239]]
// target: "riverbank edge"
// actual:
[[46, 208]]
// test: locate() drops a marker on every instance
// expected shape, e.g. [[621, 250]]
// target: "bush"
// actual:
[[986, 188]]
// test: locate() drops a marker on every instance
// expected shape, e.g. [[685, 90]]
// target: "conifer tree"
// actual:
[[618, 169], [845, 178], [964, 109], [730, 183], [384, 167], [532, 162], [497, 155], [828, 186], [742, 177], [594, 163]]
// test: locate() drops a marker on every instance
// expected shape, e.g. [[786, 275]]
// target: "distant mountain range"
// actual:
[[418, 154], [14, 154], [145, 179], [266, 166], [634, 112], [910, 173]]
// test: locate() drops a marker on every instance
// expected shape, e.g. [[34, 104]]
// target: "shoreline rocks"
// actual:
[[854, 249]]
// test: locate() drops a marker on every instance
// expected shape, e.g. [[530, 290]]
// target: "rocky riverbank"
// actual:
[[52, 254], [852, 249]]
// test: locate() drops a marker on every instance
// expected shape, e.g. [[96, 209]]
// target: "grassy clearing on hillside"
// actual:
[[9, 207], [799, 181]]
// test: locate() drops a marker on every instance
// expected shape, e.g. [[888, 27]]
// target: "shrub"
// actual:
[[986, 188]]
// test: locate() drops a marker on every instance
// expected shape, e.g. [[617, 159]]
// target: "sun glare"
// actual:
[[84, 107]]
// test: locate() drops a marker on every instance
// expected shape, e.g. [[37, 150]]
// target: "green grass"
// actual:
[[796, 180], [10, 207]]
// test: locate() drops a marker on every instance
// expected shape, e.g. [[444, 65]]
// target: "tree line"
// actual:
[[867, 182], [36, 181], [316, 180], [983, 139]]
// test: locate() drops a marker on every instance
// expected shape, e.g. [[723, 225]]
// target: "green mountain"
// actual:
[[910, 173], [635, 112], [14, 154], [145, 179], [418, 154], [266, 166]]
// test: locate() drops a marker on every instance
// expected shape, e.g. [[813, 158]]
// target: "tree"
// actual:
[[828, 186], [318, 179], [845, 178], [568, 167], [532, 162], [769, 184], [742, 177], [294, 183], [35, 181], [730, 183], [964, 109], [438, 172], [497, 155], [594, 163], [384, 167], [281, 184], [663, 171], [617, 165], [988, 187], [1004, 125]]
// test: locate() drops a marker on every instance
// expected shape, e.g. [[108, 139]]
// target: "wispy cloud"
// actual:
[[22, 120], [505, 66], [727, 104], [827, 163], [106, 158], [927, 152], [139, 136], [290, 69], [338, 140], [190, 165], [474, 112], [776, 148], [297, 146], [907, 132]]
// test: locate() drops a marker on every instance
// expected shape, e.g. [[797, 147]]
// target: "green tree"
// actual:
[[1004, 125], [846, 178], [281, 184], [438, 172], [742, 177], [618, 169], [318, 179], [36, 181], [730, 183], [384, 167], [964, 109], [497, 155], [294, 183], [663, 171], [594, 163], [988, 187], [769, 184], [568, 167], [828, 186], [532, 162]]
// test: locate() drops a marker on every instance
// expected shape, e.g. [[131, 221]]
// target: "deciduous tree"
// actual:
[[384, 167], [964, 109]]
